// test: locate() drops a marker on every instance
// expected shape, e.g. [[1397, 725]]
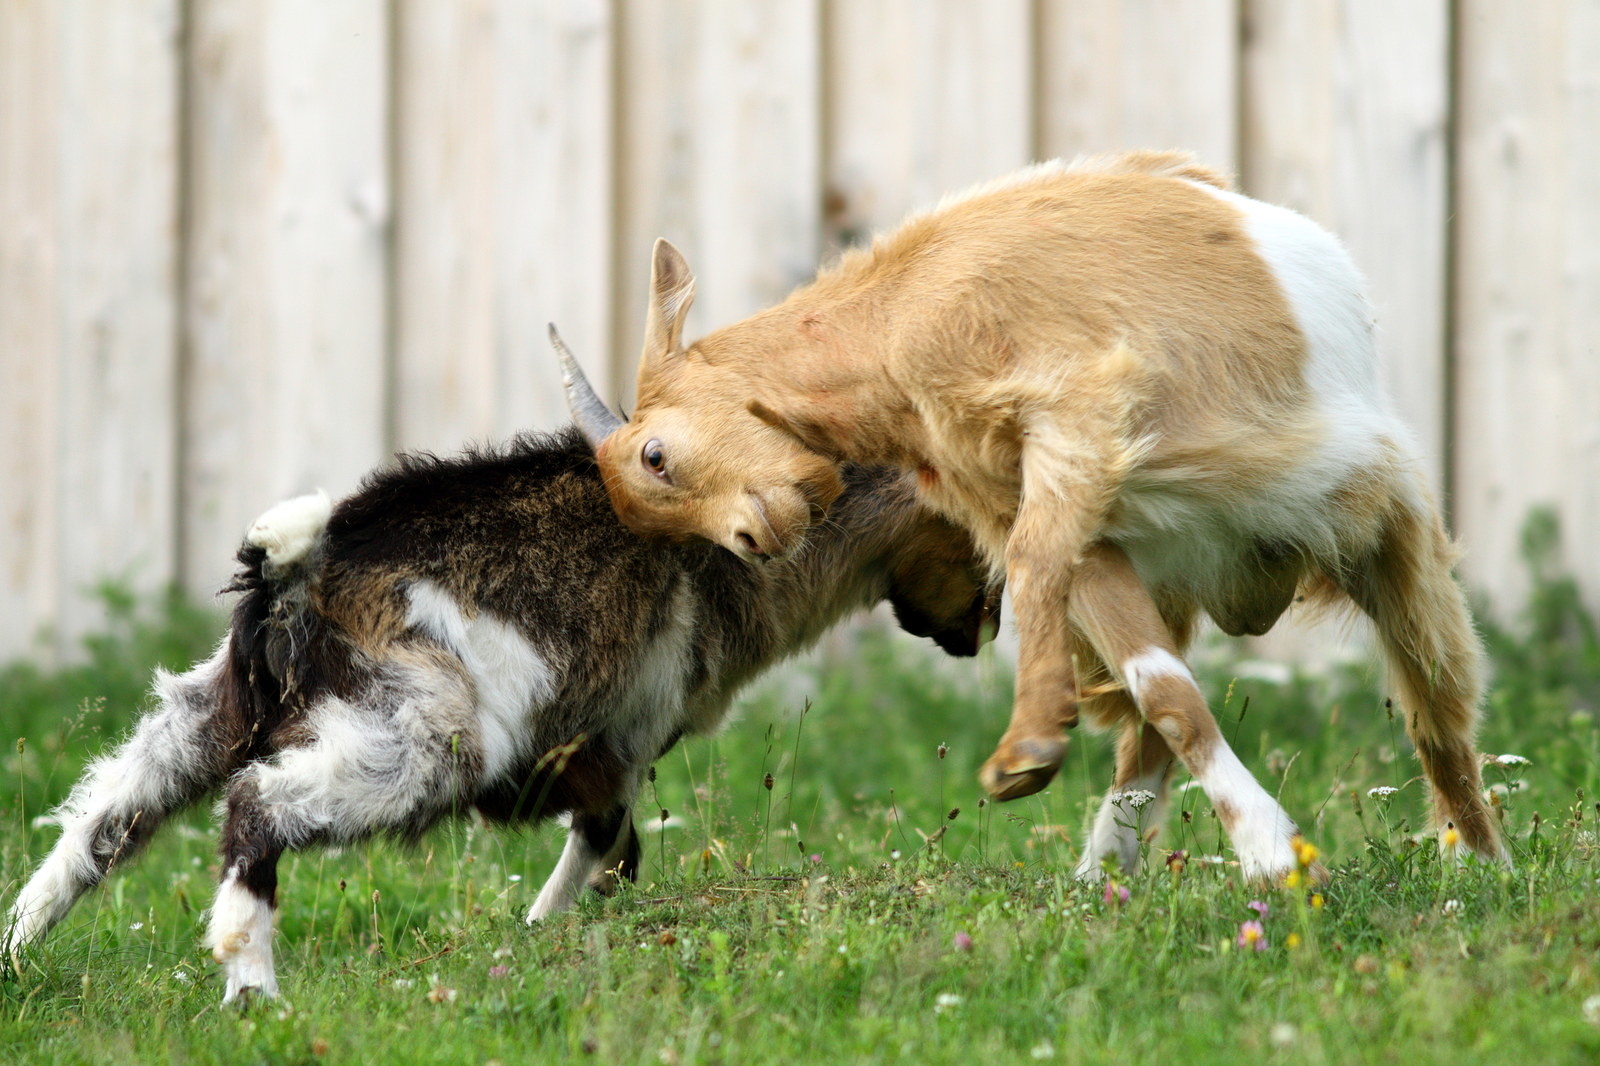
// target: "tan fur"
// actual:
[[1051, 353]]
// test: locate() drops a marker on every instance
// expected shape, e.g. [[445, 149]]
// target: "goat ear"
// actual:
[[809, 432], [671, 293]]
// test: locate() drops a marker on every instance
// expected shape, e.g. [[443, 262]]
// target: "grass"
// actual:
[[828, 886]]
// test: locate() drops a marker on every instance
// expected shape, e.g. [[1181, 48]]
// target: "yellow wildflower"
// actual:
[[1305, 851]]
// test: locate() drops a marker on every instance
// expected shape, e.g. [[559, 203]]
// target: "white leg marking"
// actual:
[[1262, 830], [567, 881], [47, 896], [1125, 814], [1141, 669], [240, 938]]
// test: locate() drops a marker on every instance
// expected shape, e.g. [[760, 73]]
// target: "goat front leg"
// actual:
[[1066, 486], [601, 850], [1135, 807], [1046, 703], [1117, 614]]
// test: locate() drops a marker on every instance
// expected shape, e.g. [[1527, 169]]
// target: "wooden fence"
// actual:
[[249, 247]]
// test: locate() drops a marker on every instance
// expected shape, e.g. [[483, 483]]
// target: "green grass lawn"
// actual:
[[868, 905]]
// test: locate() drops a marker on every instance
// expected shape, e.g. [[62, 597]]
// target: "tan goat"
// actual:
[[1147, 397]]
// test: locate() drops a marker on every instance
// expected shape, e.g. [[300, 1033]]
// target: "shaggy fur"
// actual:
[[475, 632], [1145, 396]]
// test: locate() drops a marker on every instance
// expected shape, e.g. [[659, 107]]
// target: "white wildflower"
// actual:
[[135, 927], [1382, 791], [1451, 908], [1591, 1009], [1042, 1050], [181, 976], [514, 878], [945, 1001], [1510, 760], [1137, 797], [1283, 1034]]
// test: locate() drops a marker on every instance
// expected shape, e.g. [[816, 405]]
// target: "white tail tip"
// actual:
[[290, 529]]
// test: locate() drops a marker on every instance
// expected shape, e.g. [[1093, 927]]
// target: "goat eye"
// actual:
[[654, 458]]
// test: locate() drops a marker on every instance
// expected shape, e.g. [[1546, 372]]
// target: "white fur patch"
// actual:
[[1153, 662], [1327, 295], [1182, 540], [567, 881], [240, 938], [511, 678], [1263, 830], [375, 763], [650, 709], [290, 529]]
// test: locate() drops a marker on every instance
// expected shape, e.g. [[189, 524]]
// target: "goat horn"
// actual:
[[595, 420]]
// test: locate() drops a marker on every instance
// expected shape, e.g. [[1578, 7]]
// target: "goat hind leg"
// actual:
[[397, 760], [176, 753], [1435, 663], [239, 932]]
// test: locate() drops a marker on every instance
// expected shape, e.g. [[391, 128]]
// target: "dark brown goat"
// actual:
[[479, 631]]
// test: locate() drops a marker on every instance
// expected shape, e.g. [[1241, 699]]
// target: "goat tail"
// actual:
[[282, 545], [179, 751]]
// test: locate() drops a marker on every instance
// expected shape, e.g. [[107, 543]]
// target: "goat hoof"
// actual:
[[1027, 768]]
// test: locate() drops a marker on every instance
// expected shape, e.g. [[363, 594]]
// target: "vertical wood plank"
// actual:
[[504, 132], [287, 247], [1346, 109], [445, 225], [923, 99], [89, 170], [1528, 277], [1120, 74], [30, 94], [119, 180], [720, 152]]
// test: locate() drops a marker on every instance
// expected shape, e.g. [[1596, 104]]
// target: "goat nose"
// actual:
[[749, 544]]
